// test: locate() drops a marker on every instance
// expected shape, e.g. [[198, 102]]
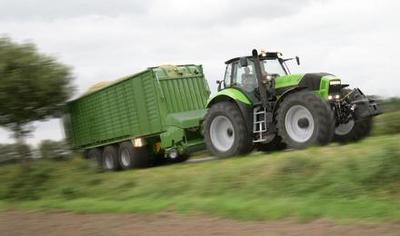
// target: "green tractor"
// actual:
[[260, 104]]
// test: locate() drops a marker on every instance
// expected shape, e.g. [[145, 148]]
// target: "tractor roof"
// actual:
[[268, 55]]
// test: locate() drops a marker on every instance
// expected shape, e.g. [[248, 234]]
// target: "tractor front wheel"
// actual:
[[353, 131], [225, 130], [304, 119]]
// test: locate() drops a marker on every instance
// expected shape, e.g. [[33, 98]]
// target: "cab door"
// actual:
[[244, 78]]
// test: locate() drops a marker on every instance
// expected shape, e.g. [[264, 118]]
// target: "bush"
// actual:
[[9, 152], [54, 149], [27, 184], [391, 104]]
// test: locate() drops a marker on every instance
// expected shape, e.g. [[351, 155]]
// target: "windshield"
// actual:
[[273, 67]]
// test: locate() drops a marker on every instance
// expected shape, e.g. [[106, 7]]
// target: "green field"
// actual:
[[347, 182]]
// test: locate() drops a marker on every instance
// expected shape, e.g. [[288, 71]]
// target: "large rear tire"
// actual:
[[353, 131], [303, 119], [225, 130]]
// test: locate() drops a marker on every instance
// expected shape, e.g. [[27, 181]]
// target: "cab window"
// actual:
[[228, 75], [273, 67], [245, 77]]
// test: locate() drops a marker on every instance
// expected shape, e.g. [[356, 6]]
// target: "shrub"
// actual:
[[28, 184], [54, 149], [388, 123], [9, 152]]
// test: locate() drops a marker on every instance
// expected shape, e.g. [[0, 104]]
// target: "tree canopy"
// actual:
[[33, 86]]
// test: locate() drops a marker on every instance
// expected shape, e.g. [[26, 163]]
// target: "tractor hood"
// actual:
[[314, 81]]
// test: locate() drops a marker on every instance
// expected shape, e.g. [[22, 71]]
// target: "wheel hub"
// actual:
[[303, 123], [229, 132], [299, 123]]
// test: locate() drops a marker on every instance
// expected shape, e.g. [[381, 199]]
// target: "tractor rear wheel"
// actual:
[[225, 130], [353, 131], [303, 119]]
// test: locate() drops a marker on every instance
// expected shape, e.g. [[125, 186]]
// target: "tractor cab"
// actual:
[[241, 72]]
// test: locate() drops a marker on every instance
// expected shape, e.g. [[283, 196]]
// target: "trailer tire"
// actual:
[[225, 130], [360, 130], [132, 157], [110, 158], [95, 157], [304, 119]]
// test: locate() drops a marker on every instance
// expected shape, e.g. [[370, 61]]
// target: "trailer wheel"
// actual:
[[225, 130], [95, 158], [110, 158], [303, 119], [353, 131], [131, 157]]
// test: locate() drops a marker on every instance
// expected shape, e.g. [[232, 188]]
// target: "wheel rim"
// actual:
[[108, 161], [343, 129], [299, 123], [222, 133], [125, 158]]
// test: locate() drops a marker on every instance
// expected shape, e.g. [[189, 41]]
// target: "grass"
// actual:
[[351, 182], [387, 123]]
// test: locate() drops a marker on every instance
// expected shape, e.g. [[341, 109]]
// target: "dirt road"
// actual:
[[33, 223]]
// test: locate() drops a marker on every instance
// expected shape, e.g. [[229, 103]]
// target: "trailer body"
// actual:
[[161, 107]]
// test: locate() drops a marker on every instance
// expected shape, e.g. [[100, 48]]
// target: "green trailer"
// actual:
[[154, 113]]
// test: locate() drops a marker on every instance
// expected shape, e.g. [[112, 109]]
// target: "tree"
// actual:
[[33, 87]]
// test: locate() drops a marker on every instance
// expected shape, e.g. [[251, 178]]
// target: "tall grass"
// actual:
[[357, 181], [387, 123]]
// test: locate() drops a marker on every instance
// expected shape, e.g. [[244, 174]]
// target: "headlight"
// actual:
[[336, 97], [334, 82]]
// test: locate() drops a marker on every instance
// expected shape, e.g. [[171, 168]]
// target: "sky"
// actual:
[[103, 40]]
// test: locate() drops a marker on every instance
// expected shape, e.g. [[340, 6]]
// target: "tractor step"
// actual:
[[260, 120]]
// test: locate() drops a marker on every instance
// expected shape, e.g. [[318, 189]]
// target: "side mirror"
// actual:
[[243, 62], [219, 82], [298, 60], [254, 53]]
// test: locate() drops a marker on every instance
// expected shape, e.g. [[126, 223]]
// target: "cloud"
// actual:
[[26, 10], [160, 11], [103, 40]]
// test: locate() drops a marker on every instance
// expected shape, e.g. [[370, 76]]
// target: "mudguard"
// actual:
[[241, 100], [229, 93]]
